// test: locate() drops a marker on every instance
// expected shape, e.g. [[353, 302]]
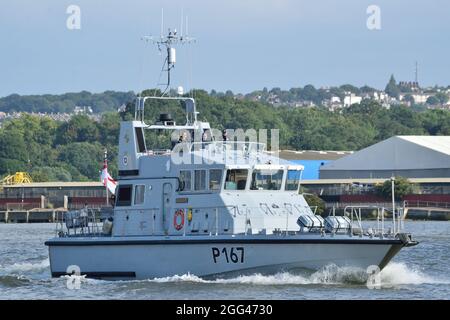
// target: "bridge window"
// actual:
[[199, 180], [139, 192], [186, 180], [140, 141], [236, 179], [215, 179], [124, 195], [293, 180], [266, 179]]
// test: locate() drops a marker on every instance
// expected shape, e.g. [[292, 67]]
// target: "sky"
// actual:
[[241, 45]]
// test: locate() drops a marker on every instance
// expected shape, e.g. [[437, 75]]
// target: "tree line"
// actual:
[[73, 151], [65, 103]]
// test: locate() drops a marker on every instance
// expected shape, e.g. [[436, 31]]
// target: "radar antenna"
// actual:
[[168, 42]]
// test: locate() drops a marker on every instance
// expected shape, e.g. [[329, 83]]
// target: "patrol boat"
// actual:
[[211, 207]]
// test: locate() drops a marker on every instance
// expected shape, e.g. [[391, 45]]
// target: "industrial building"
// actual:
[[405, 156], [69, 195], [346, 191]]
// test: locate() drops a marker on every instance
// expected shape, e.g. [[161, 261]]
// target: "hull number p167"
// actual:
[[229, 255]]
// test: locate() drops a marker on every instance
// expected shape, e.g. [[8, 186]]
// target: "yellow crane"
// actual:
[[17, 178]]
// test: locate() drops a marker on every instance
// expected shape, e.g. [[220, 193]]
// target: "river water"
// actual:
[[420, 272]]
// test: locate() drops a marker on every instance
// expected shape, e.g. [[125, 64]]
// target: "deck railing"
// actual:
[[221, 146], [244, 146], [425, 204], [223, 220], [84, 222], [354, 212]]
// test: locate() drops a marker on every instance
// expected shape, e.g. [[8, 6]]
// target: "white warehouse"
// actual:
[[406, 156]]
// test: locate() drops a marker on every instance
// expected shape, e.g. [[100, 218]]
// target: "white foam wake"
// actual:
[[396, 273], [392, 275], [24, 267], [259, 279], [327, 275]]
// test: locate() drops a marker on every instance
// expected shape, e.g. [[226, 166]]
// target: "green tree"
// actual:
[[79, 129], [392, 88], [86, 157], [350, 88], [44, 174], [408, 98], [433, 101], [309, 93], [109, 128], [367, 89], [13, 151], [442, 97], [316, 202], [8, 166], [402, 187]]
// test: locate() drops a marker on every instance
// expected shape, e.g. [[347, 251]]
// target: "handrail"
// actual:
[[140, 105], [86, 218], [357, 214], [213, 227], [425, 204], [244, 146], [405, 203], [91, 226], [259, 145], [397, 225]]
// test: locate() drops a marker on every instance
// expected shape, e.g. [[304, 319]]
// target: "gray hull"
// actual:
[[147, 258]]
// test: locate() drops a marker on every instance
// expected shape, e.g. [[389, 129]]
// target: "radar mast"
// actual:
[[167, 43]]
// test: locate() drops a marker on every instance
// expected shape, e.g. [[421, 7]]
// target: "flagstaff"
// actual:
[[107, 180], [105, 165]]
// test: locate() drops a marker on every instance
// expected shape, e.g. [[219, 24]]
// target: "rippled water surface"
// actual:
[[420, 272]]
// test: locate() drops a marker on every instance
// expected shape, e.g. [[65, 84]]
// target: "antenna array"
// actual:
[[168, 42]]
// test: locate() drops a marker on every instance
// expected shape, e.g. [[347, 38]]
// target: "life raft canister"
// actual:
[[178, 219]]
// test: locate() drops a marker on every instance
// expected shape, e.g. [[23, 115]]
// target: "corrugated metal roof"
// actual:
[[312, 154], [398, 153], [437, 143]]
